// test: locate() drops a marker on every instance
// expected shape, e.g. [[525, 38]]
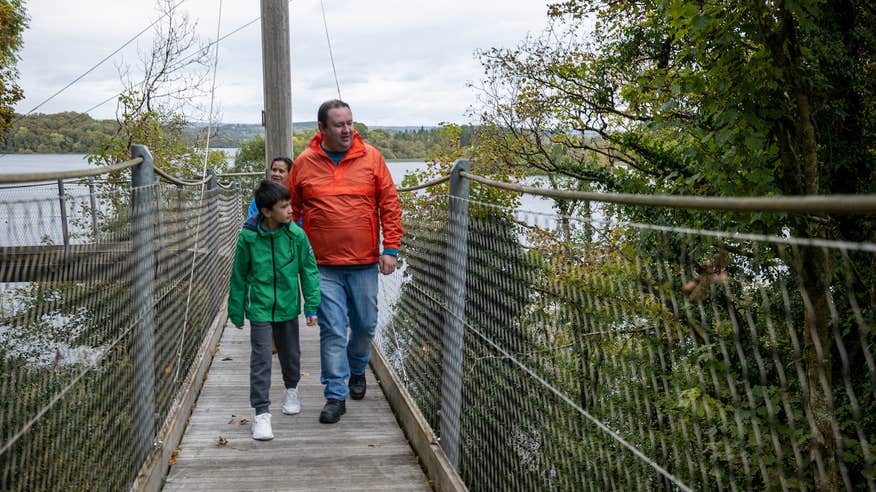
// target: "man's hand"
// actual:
[[311, 320], [387, 264]]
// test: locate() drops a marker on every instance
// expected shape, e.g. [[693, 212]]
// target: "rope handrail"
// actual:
[[848, 204], [425, 185], [78, 173], [177, 181], [46, 183], [250, 173]]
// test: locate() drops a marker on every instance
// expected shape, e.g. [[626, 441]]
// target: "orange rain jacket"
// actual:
[[344, 207]]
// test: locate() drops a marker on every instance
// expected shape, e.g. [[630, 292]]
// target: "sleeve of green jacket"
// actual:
[[237, 290], [309, 275]]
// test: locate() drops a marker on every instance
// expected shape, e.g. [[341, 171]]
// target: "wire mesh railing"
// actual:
[[592, 353], [98, 336]]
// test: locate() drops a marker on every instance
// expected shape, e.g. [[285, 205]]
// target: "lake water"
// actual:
[[18, 163]]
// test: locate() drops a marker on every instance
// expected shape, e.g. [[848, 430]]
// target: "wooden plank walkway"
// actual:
[[366, 450]]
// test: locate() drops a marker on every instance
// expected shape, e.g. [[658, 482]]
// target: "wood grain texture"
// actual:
[[366, 450]]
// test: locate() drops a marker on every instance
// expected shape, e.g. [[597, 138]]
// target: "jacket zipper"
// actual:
[[274, 267]]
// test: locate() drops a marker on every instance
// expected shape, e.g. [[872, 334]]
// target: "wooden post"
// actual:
[[276, 79], [143, 301], [454, 321]]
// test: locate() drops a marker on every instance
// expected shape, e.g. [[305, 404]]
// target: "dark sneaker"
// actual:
[[332, 411], [357, 386]]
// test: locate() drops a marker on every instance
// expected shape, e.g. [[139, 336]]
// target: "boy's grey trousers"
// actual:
[[285, 335]]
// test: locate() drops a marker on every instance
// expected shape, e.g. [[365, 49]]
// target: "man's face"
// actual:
[[280, 213], [337, 132], [279, 172]]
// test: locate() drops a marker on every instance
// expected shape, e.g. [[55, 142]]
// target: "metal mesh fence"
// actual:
[[86, 384], [598, 354]]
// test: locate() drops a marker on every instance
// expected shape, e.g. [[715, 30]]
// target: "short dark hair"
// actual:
[[322, 113], [287, 160], [268, 193]]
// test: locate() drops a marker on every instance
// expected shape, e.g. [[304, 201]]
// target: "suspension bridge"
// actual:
[[515, 350]]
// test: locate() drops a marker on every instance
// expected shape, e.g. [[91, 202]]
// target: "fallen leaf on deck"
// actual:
[[172, 460], [228, 358], [221, 441], [244, 421]]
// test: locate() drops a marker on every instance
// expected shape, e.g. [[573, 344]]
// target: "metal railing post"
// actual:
[[142, 262], [212, 242], [454, 291], [93, 199], [160, 219], [63, 202]]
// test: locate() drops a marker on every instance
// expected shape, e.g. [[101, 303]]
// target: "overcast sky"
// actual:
[[399, 62]]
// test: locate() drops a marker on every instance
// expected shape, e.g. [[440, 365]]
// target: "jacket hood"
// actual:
[[252, 223]]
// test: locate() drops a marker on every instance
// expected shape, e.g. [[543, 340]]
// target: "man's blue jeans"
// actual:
[[349, 297]]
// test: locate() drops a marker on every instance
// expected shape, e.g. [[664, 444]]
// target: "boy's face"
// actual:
[[280, 213]]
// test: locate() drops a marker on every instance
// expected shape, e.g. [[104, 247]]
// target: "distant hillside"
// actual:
[[231, 135], [59, 133], [79, 133]]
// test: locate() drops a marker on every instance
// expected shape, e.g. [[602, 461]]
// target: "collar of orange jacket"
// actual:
[[357, 148]]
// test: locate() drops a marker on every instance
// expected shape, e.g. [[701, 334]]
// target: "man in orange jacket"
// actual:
[[343, 193]]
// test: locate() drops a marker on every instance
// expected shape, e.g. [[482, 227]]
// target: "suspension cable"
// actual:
[[76, 173], [114, 96], [328, 40], [801, 204], [425, 185], [104, 59], [200, 200]]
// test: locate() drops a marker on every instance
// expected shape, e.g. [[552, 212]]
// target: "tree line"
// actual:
[[79, 133]]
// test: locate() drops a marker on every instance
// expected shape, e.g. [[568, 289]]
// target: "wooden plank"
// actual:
[[366, 450], [440, 470]]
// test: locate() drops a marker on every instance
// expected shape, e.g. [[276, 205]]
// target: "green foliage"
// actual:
[[250, 156], [13, 21], [705, 98], [162, 132], [741, 98]]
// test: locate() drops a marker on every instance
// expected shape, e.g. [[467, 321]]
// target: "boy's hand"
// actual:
[[311, 320], [239, 327]]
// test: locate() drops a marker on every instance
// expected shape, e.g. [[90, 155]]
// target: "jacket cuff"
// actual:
[[390, 251]]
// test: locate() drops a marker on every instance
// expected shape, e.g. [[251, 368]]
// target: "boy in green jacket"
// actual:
[[271, 256]]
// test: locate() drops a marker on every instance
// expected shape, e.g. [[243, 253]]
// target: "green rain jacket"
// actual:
[[264, 279]]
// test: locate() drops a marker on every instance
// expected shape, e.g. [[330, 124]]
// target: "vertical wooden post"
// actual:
[[142, 297], [277, 80], [454, 322]]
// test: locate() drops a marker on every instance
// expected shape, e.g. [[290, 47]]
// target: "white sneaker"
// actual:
[[291, 404], [261, 427]]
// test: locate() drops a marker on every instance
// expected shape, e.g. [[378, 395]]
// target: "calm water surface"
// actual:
[[18, 163]]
